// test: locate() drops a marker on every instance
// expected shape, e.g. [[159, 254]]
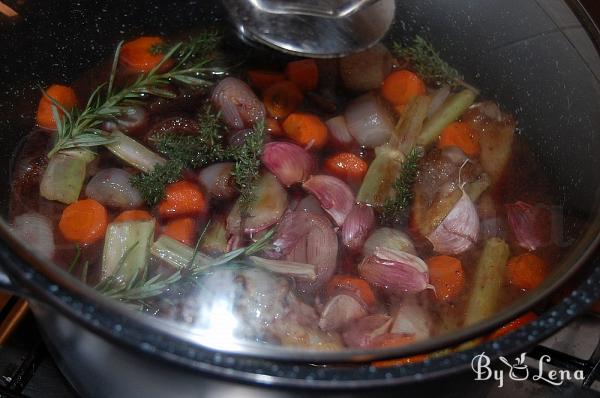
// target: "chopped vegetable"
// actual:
[[134, 153], [182, 199], [335, 196], [181, 229], [83, 221], [347, 166], [400, 87], [140, 55], [304, 73], [357, 286], [63, 95], [447, 277], [126, 252], [237, 104], [263, 79], [281, 99], [460, 135], [306, 130], [513, 325], [369, 121], [64, 176], [133, 215], [290, 163], [488, 281], [526, 271], [179, 255], [449, 112]]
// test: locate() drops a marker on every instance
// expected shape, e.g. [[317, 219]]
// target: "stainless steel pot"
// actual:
[[518, 51]]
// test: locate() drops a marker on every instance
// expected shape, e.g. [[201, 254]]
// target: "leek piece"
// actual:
[[449, 112], [179, 255], [488, 282], [63, 178], [127, 251], [134, 153]]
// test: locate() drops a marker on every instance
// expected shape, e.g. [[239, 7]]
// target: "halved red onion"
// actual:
[[369, 121], [459, 230], [339, 311], [338, 130], [361, 333], [112, 188], [304, 237], [396, 271], [238, 104], [36, 231], [412, 318], [289, 162], [388, 238], [218, 180], [334, 194], [366, 70], [358, 225], [529, 224], [267, 208]]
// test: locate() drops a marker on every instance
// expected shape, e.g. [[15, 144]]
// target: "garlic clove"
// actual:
[[339, 311], [335, 196], [289, 162], [358, 225]]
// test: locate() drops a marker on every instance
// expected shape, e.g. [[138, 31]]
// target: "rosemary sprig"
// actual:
[[394, 209], [82, 128], [428, 63], [247, 164]]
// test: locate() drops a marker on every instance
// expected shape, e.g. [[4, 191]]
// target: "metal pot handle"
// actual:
[[318, 8]]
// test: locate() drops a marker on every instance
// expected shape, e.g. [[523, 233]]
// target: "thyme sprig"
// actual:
[[83, 128], [394, 209], [247, 164], [428, 63]]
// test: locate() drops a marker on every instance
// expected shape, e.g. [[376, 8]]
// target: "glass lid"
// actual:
[[246, 197]]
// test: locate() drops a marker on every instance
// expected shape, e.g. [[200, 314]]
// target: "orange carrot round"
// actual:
[[393, 340], [402, 86], [347, 166], [133, 215], [281, 99], [447, 276], [306, 130], [460, 135], [84, 221], [181, 229], [141, 55], [182, 199], [305, 73], [263, 79], [64, 95], [513, 325], [526, 271], [358, 286]]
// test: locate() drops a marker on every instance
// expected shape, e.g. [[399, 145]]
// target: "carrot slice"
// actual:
[[181, 229], [84, 221], [447, 276], [402, 86], [393, 340], [305, 73], [140, 55], [133, 215], [461, 135], [64, 95], [526, 271], [263, 79], [513, 325], [306, 130], [281, 99], [389, 363], [358, 286], [182, 199], [347, 166]]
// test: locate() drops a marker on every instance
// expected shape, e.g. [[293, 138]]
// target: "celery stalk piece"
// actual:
[[449, 112], [63, 178], [179, 255], [382, 172], [127, 250], [489, 280], [134, 153]]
